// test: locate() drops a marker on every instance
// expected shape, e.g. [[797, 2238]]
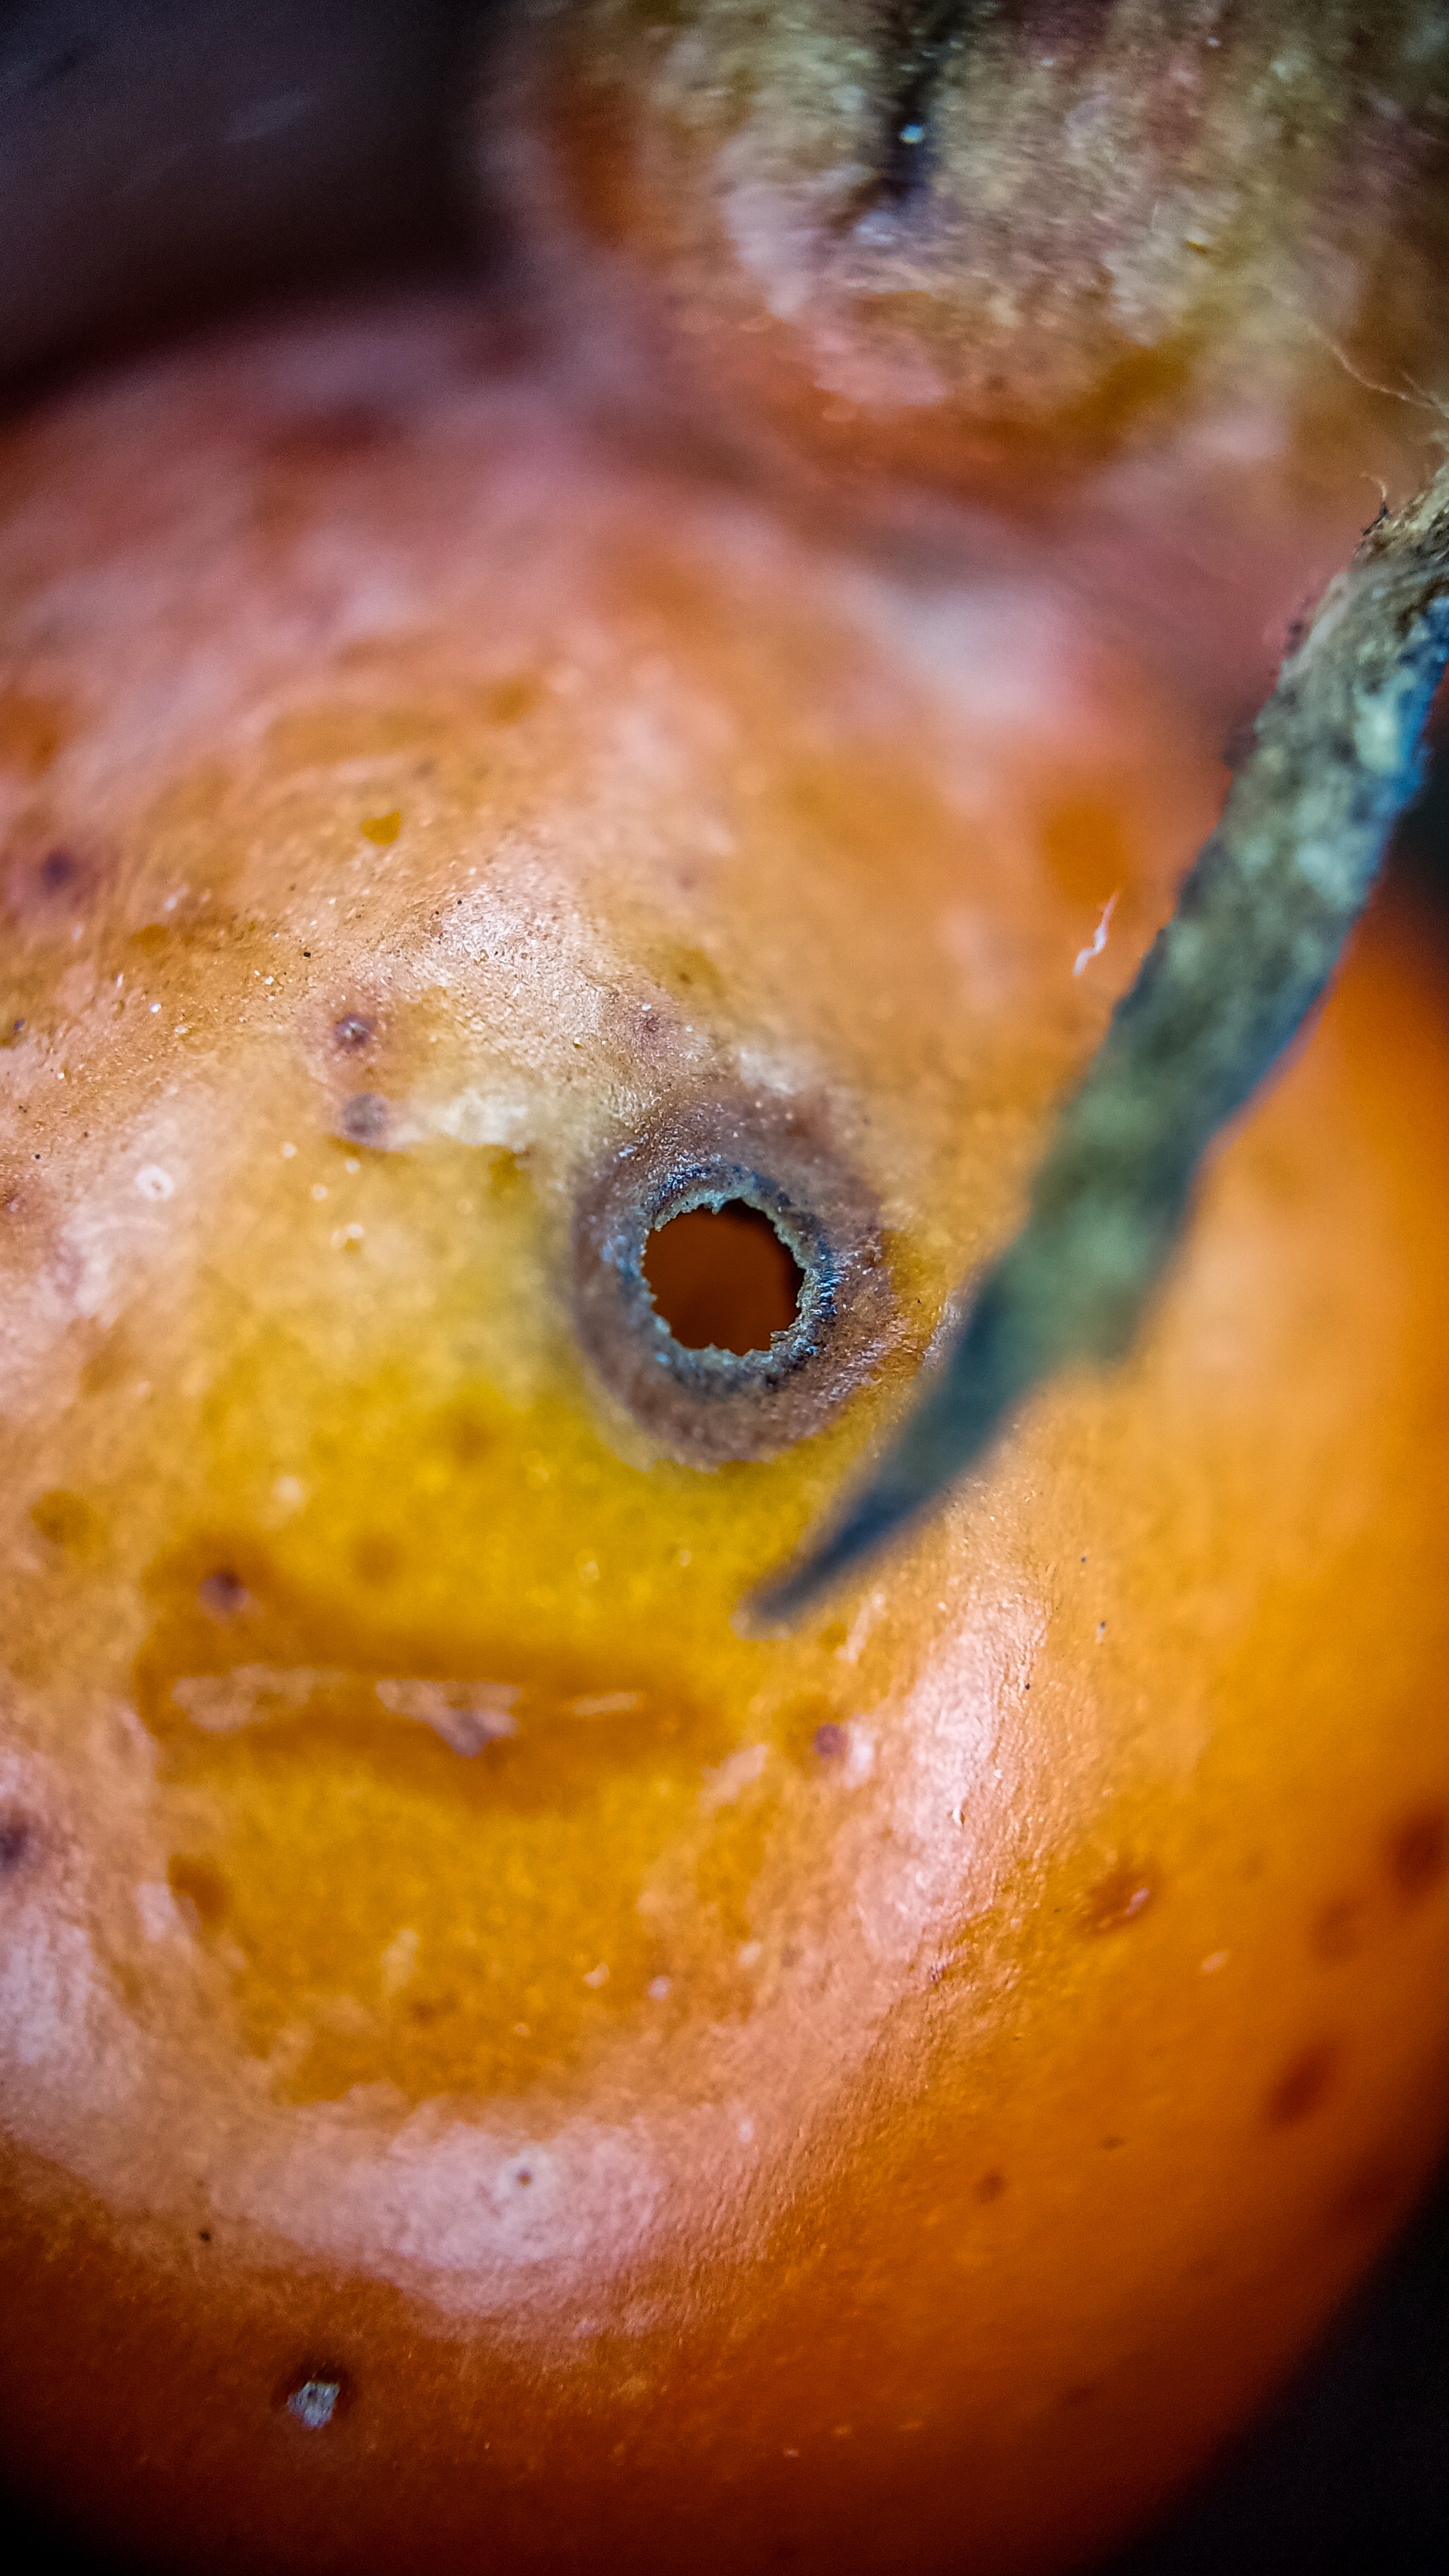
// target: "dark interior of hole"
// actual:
[[722, 1279]]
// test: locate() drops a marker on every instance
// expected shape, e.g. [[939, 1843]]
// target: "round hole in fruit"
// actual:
[[730, 1354], [723, 1278]]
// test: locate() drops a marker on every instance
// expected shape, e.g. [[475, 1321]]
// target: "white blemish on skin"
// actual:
[[484, 1118], [159, 1913], [466, 1716], [538, 950], [1098, 940], [860, 1755], [249, 1694], [861, 1626], [737, 1772], [49, 1984], [155, 1183], [448, 2197]]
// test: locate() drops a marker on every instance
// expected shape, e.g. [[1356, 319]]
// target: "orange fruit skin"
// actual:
[[902, 2090]]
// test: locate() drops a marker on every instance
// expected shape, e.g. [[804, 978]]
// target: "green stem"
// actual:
[[1258, 929]]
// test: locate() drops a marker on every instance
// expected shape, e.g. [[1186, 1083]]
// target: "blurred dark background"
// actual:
[[162, 160]]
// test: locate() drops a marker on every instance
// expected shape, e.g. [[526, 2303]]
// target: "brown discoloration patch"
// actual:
[[110, 1358], [1303, 2087], [467, 1435], [324, 736], [1338, 1930], [382, 829], [67, 1521], [512, 699], [223, 1595], [17, 1840], [1416, 1853], [1117, 1900], [990, 2186], [34, 731], [365, 1118], [376, 1557], [199, 1889], [52, 883]]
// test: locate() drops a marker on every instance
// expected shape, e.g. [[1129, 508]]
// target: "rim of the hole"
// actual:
[[716, 1202], [708, 1405], [804, 1239]]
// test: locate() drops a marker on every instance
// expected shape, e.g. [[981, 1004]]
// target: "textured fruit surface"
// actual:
[[493, 2054], [985, 245]]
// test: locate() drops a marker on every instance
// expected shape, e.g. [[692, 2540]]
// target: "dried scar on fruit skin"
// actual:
[[919, 222], [1257, 932]]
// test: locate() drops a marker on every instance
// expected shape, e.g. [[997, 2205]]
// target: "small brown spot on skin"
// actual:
[[467, 1438], [353, 1032], [1337, 1931], [512, 699], [1416, 1853], [381, 829], [831, 1741], [365, 1118], [67, 1521], [33, 732], [112, 1360], [1302, 2088], [1118, 1899], [991, 2186], [199, 1889], [223, 1595], [16, 1837], [376, 1558], [49, 886]]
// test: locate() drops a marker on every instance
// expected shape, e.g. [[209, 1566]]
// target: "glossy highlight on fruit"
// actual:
[[496, 2058]]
